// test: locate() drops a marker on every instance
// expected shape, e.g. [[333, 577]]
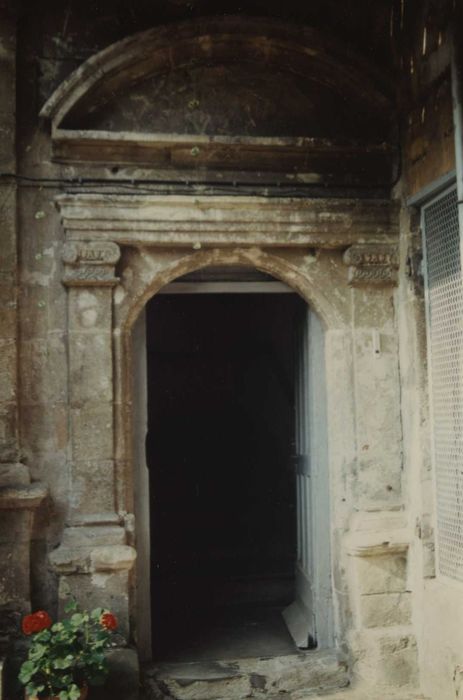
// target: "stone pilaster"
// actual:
[[93, 559], [89, 276]]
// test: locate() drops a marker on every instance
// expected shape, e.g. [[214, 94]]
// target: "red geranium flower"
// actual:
[[36, 622], [108, 621]]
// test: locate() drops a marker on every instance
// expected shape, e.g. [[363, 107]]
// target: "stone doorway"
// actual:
[[231, 438]]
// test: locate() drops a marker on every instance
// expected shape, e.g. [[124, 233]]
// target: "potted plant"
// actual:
[[68, 656]]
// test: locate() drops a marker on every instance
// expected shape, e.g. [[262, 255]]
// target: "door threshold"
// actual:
[[309, 671]]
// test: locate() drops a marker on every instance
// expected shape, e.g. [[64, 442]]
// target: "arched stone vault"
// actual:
[[338, 125], [298, 49]]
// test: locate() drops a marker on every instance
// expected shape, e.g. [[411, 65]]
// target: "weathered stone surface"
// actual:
[[15, 474], [90, 379], [92, 437], [93, 486], [241, 678], [385, 609], [18, 497], [123, 681], [112, 557], [382, 574], [107, 590]]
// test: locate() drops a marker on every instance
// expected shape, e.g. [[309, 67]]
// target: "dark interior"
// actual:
[[222, 491]]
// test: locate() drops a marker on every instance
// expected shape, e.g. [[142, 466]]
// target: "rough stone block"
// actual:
[[100, 535], [90, 367], [8, 363], [105, 590], [385, 609], [92, 431], [44, 369], [8, 442], [14, 474], [8, 306], [385, 659], [93, 486], [378, 420], [382, 574], [399, 662], [90, 309], [44, 428], [123, 682], [113, 558], [14, 571]]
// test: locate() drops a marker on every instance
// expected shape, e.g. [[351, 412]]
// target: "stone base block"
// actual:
[[105, 590], [123, 682], [385, 658], [385, 609]]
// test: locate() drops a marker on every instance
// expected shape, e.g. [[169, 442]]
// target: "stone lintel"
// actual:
[[90, 263], [372, 264], [220, 221]]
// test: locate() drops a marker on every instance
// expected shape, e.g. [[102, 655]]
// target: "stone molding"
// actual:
[[22, 497], [372, 265], [90, 263], [180, 221], [86, 550], [378, 533]]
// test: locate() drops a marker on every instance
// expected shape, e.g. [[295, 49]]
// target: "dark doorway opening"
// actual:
[[220, 446]]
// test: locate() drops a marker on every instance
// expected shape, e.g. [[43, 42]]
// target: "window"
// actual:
[[444, 301]]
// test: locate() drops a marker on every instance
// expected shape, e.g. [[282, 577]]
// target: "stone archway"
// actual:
[[119, 252], [134, 420]]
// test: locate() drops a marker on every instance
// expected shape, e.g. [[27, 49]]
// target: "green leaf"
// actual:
[[64, 695], [43, 636], [37, 651], [96, 614], [65, 662], [26, 672], [71, 606], [77, 619], [74, 692]]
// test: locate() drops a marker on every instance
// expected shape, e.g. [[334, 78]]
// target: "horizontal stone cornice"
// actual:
[[188, 221], [22, 497]]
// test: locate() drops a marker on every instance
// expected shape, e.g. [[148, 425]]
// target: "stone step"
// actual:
[[309, 672], [352, 694]]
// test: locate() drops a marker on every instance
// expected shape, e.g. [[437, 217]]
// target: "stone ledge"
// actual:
[[22, 496], [377, 534], [86, 559]]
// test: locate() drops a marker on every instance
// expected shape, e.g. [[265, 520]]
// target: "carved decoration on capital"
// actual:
[[372, 265], [90, 263]]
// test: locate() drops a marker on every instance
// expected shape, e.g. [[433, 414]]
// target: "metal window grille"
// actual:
[[444, 295]]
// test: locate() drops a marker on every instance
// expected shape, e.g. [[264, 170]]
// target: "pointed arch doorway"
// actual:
[[234, 547]]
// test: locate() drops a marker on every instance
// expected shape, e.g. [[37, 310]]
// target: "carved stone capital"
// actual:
[[374, 265], [90, 263]]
